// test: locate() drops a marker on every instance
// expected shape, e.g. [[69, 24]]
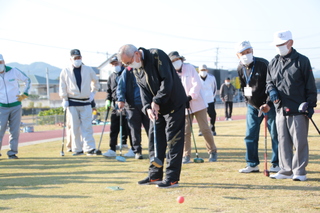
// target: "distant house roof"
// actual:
[[36, 79]]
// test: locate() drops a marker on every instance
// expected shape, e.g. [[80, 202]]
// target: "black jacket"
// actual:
[[292, 76], [112, 86], [257, 81], [159, 82]]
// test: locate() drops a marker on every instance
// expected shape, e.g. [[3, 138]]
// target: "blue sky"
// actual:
[[46, 30]]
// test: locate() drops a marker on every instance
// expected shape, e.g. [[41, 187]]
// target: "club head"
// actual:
[[303, 107], [266, 173], [156, 162], [121, 159], [198, 160], [98, 152], [62, 153]]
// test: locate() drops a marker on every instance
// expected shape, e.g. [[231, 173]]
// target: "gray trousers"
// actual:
[[10, 116], [293, 133]]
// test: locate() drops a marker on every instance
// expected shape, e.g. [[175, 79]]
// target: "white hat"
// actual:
[[243, 46], [282, 37], [203, 67], [1, 57]]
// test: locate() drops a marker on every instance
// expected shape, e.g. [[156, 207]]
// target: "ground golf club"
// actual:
[[265, 172], [98, 151], [197, 159], [155, 160], [303, 107], [120, 157], [63, 131]]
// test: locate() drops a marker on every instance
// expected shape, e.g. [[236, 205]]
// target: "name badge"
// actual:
[[248, 91]]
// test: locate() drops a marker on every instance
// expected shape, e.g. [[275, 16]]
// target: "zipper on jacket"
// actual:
[[5, 87]]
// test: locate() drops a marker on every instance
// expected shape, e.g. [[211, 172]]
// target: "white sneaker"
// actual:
[[249, 169], [299, 177], [129, 154], [274, 169], [110, 153], [280, 176], [124, 146], [229, 119]]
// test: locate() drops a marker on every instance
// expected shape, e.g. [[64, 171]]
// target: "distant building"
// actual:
[[39, 86], [104, 73]]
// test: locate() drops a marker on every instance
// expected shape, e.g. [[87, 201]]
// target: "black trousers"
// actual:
[[170, 135], [136, 118], [115, 129], [228, 108], [212, 114]]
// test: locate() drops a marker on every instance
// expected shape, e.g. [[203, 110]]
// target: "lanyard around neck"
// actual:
[[245, 72]]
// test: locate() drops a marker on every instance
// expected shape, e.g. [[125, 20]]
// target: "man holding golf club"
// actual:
[[128, 95], [196, 106], [77, 87], [290, 82], [252, 73], [112, 85], [163, 100], [10, 104]]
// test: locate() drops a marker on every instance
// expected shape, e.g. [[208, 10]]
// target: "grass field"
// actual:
[[43, 181]]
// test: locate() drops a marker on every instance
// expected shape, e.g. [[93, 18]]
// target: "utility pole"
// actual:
[[217, 58], [48, 87]]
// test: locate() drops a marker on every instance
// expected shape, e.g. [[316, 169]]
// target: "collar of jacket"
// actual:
[[145, 55], [8, 68]]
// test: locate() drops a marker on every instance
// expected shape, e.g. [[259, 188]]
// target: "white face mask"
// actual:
[[115, 69], [203, 73], [77, 63], [246, 59], [2, 67], [134, 64], [227, 83], [177, 64], [282, 50]]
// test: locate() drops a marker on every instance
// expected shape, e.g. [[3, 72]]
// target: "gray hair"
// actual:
[[127, 50]]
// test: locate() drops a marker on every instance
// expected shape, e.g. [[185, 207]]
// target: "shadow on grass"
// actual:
[[254, 187], [15, 196]]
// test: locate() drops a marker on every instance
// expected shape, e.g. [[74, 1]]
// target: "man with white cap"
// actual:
[[209, 86], [10, 104], [252, 73], [196, 104], [77, 87], [290, 82]]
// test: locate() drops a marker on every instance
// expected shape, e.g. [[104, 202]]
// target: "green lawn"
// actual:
[[43, 181]]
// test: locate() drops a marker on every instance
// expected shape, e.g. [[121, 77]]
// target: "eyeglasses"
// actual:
[[128, 63]]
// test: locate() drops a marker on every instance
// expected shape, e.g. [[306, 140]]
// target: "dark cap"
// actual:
[[113, 59], [228, 78], [75, 52], [174, 54]]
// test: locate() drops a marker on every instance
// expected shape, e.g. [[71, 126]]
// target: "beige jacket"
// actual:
[[68, 85]]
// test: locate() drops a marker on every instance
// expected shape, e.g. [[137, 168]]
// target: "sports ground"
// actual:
[[43, 181]]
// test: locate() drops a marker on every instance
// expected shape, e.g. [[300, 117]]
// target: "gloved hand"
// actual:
[[21, 97], [65, 104], [310, 112], [273, 95], [91, 96], [108, 104], [189, 98]]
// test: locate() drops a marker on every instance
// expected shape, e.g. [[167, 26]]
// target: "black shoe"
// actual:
[[214, 133], [147, 181], [69, 150], [168, 184], [77, 153], [13, 157], [200, 134], [91, 152]]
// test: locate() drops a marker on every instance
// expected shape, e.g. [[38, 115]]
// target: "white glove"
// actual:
[[65, 104], [91, 96]]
